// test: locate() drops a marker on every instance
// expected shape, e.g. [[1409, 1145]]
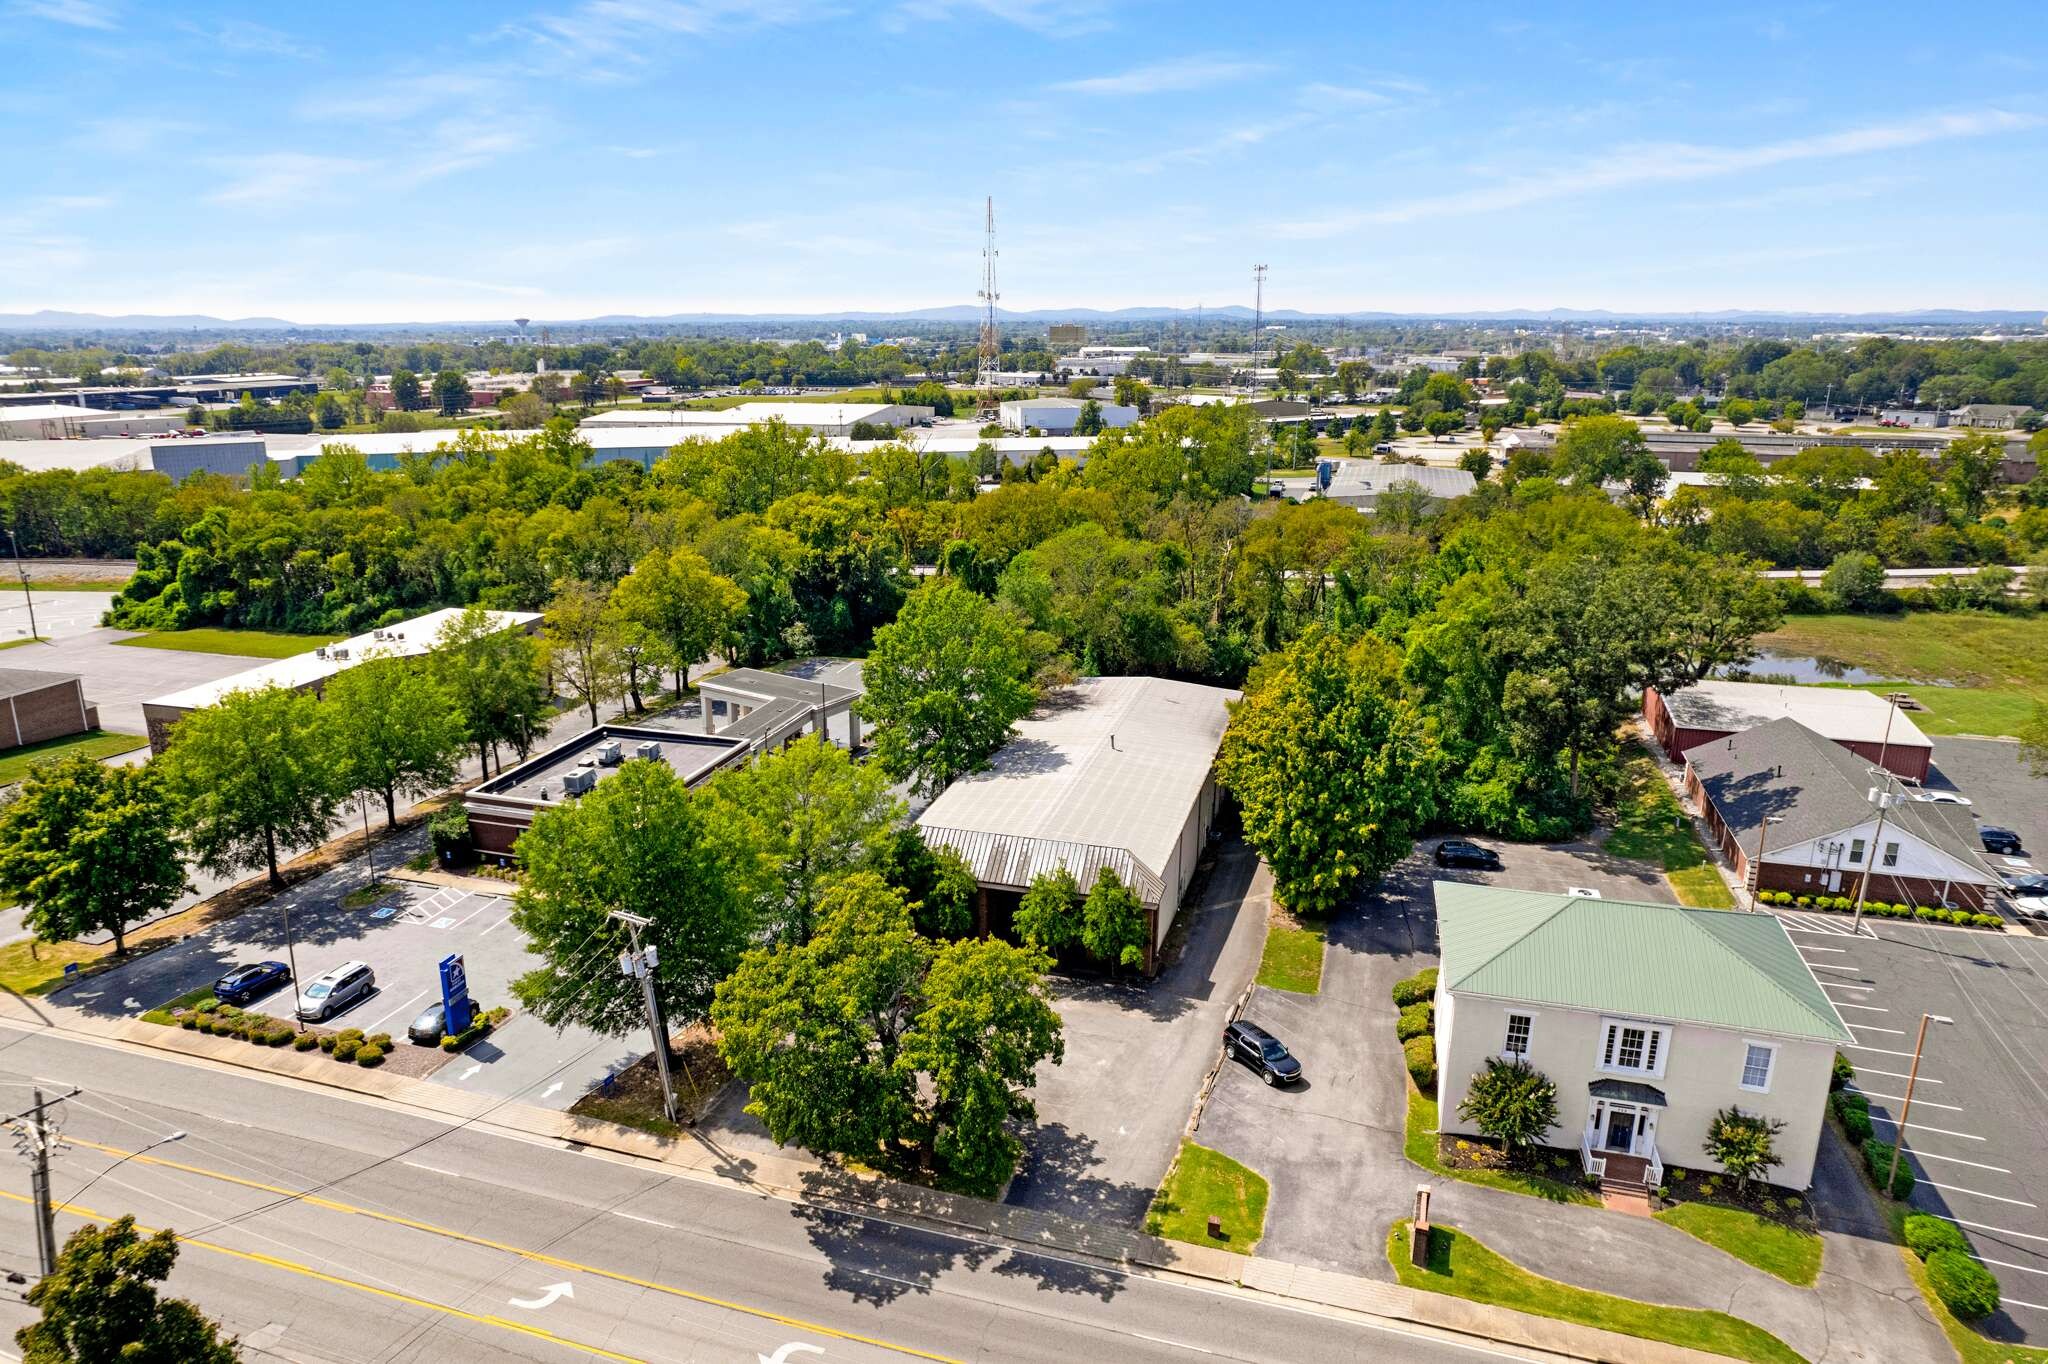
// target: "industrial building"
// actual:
[[44, 421], [43, 706], [503, 808], [1057, 416], [1361, 483], [406, 639], [824, 419], [1862, 722], [1114, 772]]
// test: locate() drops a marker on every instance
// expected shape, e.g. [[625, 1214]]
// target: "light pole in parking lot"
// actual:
[[22, 569], [1906, 1109]]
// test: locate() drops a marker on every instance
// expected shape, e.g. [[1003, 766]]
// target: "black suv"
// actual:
[[1456, 852], [1263, 1052], [1999, 840]]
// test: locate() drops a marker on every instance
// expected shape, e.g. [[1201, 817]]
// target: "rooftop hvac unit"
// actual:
[[541, 794], [647, 749], [578, 781], [611, 753], [320, 652]]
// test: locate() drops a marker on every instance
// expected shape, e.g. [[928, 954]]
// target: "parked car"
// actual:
[[2029, 895], [335, 989], [1941, 797], [430, 1027], [1998, 839], [1263, 1052], [1457, 852], [246, 982]]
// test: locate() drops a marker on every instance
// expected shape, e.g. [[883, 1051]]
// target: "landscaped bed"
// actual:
[[1205, 1183], [1293, 955], [199, 1011], [1880, 909], [632, 1097]]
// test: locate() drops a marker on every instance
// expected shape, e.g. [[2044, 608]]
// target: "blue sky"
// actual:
[[444, 160]]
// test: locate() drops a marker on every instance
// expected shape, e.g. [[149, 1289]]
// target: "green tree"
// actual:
[[1049, 912], [1441, 424], [1510, 1101], [1743, 1144], [401, 731], [637, 842], [1970, 467], [255, 772], [1476, 462], [677, 598], [1089, 421], [405, 390], [937, 882], [2033, 738], [1599, 449], [1113, 922], [493, 677], [451, 392], [102, 1305], [794, 820], [944, 683], [89, 848], [1331, 764], [585, 646], [1853, 582]]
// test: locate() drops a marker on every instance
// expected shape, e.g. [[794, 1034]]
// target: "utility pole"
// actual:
[[1882, 797], [33, 1134], [22, 569], [1756, 885], [1906, 1109], [1258, 320], [640, 963], [369, 849]]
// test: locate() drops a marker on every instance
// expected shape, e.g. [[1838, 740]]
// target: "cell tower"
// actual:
[[991, 338], [1258, 319]]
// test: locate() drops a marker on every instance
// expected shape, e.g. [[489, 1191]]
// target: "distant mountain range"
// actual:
[[50, 320]]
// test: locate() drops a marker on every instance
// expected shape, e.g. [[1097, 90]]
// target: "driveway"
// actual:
[[2000, 788]]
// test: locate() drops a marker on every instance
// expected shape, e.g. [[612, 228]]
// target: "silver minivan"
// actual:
[[335, 989]]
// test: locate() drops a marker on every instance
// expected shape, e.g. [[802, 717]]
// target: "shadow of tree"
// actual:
[[874, 1262], [1057, 1177]]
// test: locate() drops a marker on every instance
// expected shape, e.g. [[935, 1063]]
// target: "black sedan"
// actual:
[[245, 983], [428, 1029], [1456, 852], [1263, 1052], [1997, 839]]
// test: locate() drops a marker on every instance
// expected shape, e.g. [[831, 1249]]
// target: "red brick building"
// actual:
[[40, 706], [1860, 721]]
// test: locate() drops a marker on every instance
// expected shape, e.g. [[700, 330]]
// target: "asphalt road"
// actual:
[[326, 1229]]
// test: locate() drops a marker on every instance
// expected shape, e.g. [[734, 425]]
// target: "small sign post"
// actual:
[[1418, 1236]]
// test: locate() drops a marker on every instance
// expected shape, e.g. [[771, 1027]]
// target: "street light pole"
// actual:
[[1756, 889], [1906, 1110], [369, 849], [22, 569]]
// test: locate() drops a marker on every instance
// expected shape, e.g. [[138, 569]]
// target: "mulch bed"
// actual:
[[1471, 1153], [633, 1097], [1765, 1200]]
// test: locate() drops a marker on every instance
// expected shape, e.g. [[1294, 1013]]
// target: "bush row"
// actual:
[[480, 1026], [1419, 988], [1842, 904]]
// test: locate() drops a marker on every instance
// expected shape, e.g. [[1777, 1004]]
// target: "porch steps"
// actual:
[[1625, 1187]]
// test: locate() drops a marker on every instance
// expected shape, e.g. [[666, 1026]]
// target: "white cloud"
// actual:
[[1181, 73], [1051, 18], [287, 177], [76, 13], [1668, 163], [397, 98]]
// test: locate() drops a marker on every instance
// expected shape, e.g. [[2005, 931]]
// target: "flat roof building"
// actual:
[[1114, 772], [406, 639], [503, 808], [1058, 416], [1862, 722], [1361, 483], [825, 419]]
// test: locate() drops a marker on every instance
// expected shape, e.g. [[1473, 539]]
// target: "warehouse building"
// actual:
[[1058, 416], [310, 671], [1862, 722], [1361, 483], [1114, 772], [824, 419], [42, 706], [45, 421]]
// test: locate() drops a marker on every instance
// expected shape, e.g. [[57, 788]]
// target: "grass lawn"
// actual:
[[1650, 827], [1293, 959], [1420, 1147], [17, 643], [246, 643], [1204, 1182], [1464, 1268], [1773, 1247], [1983, 649], [366, 895], [1968, 710], [23, 974], [94, 743], [70, 584]]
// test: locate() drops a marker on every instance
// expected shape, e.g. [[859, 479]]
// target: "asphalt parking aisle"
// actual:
[[1979, 1120]]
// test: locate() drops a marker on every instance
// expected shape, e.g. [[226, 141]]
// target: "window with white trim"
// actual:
[[1519, 1026], [1757, 1059], [1855, 850], [1891, 854], [1634, 1048]]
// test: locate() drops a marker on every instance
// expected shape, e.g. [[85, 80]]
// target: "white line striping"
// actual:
[[1975, 1193], [1830, 985], [1923, 1127], [1824, 949], [635, 1217], [1881, 1051], [2007, 1264], [1872, 1027], [1986, 1226], [1958, 1160], [433, 1169], [1823, 966], [1867, 1008], [399, 1010], [2004, 1301], [499, 924], [1896, 1075], [1898, 1099]]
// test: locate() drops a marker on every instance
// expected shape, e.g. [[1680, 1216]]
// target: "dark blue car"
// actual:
[[244, 983]]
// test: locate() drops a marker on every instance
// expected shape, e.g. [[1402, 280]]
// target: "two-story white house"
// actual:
[[1648, 1018]]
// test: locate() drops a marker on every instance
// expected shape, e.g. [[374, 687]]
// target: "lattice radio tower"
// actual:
[[1258, 319], [991, 338]]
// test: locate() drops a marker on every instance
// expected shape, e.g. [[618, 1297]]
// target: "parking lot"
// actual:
[[403, 934], [1978, 1132]]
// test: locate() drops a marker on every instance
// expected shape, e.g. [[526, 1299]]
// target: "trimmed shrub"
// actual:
[[1986, 921], [1420, 1054], [448, 1042], [1843, 1072], [327, 1042], [345, 1048], [1965, 1287], [279, 1036], [189, 1021], [1925, 1235], [1925, 912], [1415, 1020], [1877, 1158], [370, 1055], [305, 1041], [1803, 901], [380, 1040], [1417, 989], [1856, 1122]]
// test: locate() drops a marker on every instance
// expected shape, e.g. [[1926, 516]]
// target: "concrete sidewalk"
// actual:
[[796, 1177]]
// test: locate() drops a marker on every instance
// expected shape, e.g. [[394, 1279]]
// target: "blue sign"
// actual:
[[455, 1001]]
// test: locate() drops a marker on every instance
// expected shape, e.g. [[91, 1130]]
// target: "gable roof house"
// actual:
[[1808, 801], [1114, 772], [1648, 1018]]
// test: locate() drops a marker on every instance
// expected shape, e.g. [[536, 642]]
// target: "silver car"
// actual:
[[335, 989]]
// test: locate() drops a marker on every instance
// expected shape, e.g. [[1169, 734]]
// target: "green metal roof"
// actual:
[[1716, 967]]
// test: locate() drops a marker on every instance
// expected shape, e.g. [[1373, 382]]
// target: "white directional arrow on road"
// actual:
[[782, 1355], [473, 1069], [552, 1090], [131, 1003], [549, 1296]]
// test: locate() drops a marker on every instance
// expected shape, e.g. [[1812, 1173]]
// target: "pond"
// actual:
[[1772, 666]]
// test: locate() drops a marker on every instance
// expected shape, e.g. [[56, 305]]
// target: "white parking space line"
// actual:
[[399, 1010], [1896, 1075], [1867, 1008], [1817, 948], [2004, 1301], [1986, 1226], [2007, 1264], [471, 915], [668, 1226], [1923, 1127], [1831, 985], [1899, 1099], [1975, 1193], [1958, 1160], [1824, 966], [499, 924], [1872, 1027], [1881, 1051]]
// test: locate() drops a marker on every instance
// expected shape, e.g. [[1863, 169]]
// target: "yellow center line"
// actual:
[[307, 1271], [537, 1256]]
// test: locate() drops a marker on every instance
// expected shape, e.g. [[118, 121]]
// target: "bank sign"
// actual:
[[455, 1001]]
